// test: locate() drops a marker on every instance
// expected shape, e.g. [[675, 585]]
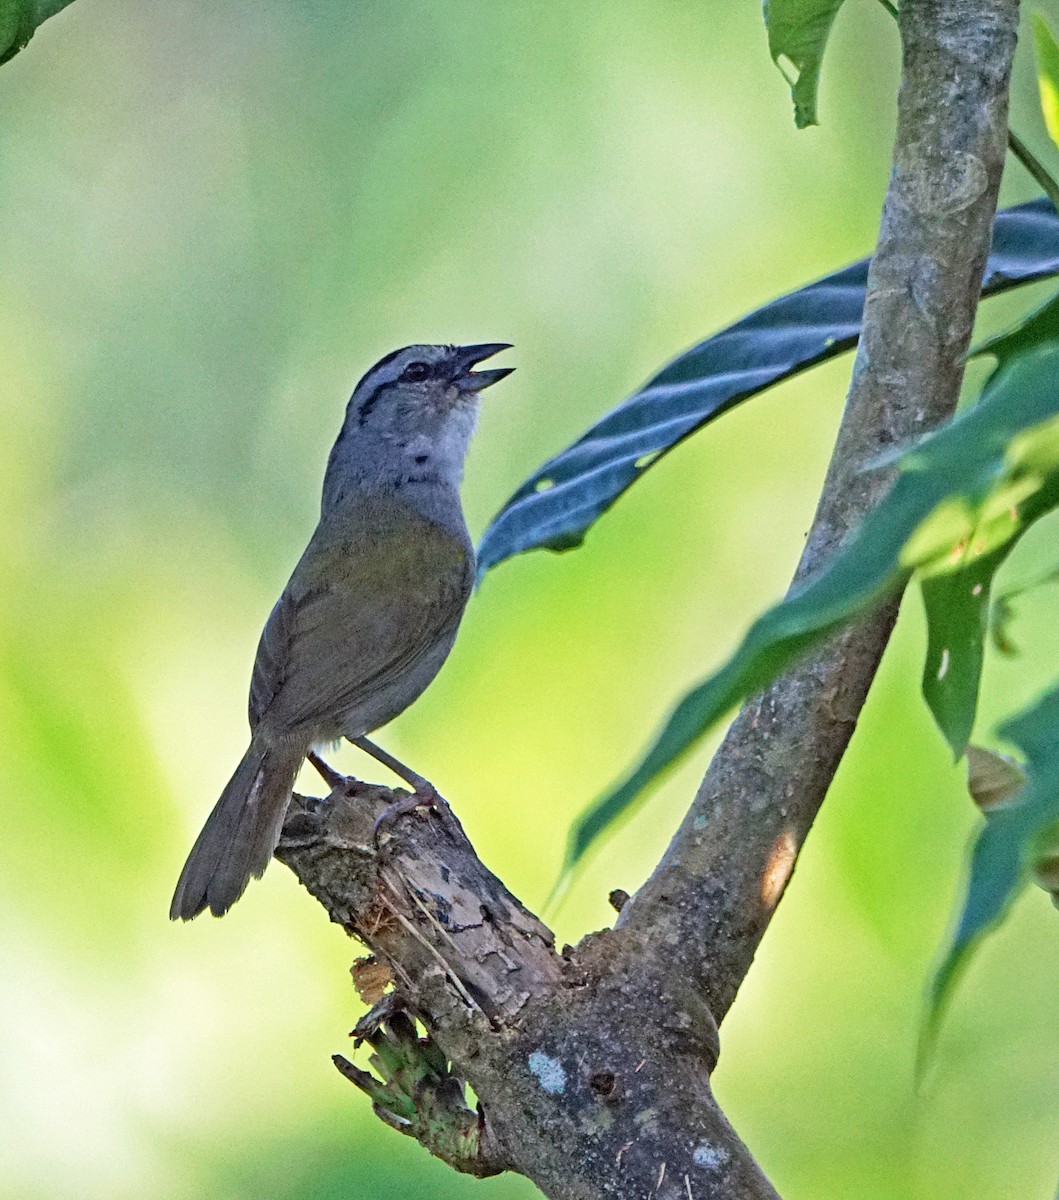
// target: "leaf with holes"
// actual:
[[798, 31], [1002, 610], [957, 608], [986, 476], [957, 598], [557, 505]]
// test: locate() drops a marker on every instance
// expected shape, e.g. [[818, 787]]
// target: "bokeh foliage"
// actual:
[[211, 219]]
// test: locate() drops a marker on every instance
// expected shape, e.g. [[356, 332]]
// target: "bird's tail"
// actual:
[[239, 836]]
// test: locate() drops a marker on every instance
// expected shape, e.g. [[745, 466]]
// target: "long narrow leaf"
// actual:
[[989, 473], [957, 599], [556, 506], [957, 607]]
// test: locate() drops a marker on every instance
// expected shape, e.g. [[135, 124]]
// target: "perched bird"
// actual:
[[369, 614]]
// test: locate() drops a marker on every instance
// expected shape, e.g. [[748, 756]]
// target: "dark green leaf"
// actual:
[[560, 501], [1038, 328], [957, 607], [959, 614], [987, 475], [957, 599], [798, 31], [17, 24], [1018, 834], [19, 20]]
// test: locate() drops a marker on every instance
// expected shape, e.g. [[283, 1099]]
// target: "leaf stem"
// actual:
[[1035, 167]]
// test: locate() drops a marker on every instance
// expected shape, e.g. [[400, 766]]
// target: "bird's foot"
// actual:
[[426, 795]]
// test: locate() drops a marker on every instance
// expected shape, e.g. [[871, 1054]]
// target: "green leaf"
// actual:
[[20, 19], [987, 475], [957, 608], [957, 600], [1040, 327], [1047, 75], [17, 23], [557, 505], [1021, 832], [798, 31], [1002, 611]]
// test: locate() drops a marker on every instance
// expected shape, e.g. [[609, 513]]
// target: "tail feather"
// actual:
[[240, 834]]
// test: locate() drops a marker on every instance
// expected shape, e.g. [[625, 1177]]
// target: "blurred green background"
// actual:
[[213, 218]]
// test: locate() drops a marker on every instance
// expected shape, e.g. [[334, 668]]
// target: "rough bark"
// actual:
[[592, 1072], [592, 1065]]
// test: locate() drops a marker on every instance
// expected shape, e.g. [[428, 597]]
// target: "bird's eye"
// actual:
[[415, 372]]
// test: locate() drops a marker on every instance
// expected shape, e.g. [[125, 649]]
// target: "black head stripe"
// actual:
[[380, 364], [367, 403], [425, 354]]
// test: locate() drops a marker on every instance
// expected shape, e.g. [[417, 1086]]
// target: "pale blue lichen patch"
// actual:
[[549, 1071], [710, 1157]]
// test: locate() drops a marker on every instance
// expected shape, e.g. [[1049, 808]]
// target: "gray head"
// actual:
[[415, 411]]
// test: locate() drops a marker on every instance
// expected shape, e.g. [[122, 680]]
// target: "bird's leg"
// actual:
[[424, 789], [424, 794], [327, 773], [334, 779]]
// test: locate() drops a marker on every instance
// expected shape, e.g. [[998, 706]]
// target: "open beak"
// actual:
[[468, 356]]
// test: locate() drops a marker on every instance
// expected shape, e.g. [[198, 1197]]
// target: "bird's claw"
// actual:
[[425, 796]]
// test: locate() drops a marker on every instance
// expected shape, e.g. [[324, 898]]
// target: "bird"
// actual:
[[370, 612]]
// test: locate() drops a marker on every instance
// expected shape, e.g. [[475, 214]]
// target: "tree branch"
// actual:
[[592, 1066], [592, 1072], [714, 892]]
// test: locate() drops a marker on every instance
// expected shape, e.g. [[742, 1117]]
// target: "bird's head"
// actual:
[[423, 396], [410, 419]]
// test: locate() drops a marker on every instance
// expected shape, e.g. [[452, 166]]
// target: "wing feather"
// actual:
[[378, 587]]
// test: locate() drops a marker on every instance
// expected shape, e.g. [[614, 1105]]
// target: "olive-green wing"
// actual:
[[375, 590]]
